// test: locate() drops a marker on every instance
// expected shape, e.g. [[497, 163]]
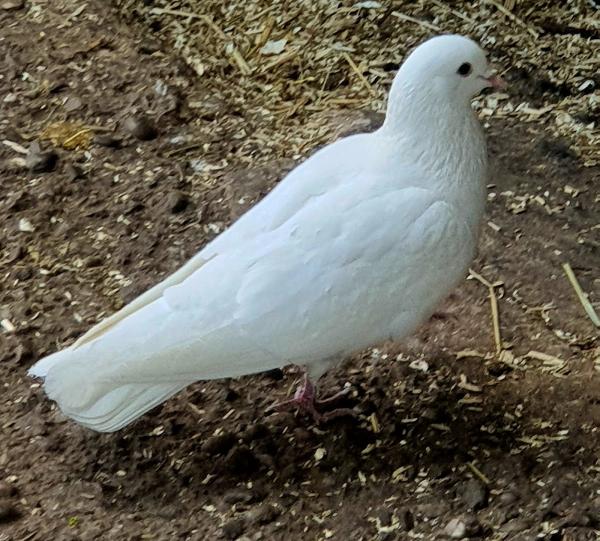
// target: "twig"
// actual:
[[410, 19], [322, 89], [359, 74], [183, 150], [494, 308], [453, 11], [15, 146], [235, 53], [513, 17], [281, 59], [587, 305], [75, 136], [477, 472]]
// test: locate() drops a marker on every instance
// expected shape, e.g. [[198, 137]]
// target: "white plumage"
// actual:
[[356, 245]]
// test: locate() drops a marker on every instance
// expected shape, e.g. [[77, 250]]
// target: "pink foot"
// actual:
[[305, 398]]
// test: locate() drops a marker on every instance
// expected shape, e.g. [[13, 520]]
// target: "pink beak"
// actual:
[[496, 82]]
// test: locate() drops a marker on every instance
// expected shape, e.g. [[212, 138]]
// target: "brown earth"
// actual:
[[449, 438]]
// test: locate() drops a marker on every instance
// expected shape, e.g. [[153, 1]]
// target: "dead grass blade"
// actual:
[[587, 305]]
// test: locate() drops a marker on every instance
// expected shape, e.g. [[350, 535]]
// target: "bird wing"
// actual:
[[306, 291], [310, 179]]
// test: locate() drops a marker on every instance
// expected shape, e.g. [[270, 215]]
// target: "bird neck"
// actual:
[[425, 110], [445, 140], [443, 137]]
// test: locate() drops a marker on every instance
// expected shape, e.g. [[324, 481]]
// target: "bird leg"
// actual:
[[305, 398]]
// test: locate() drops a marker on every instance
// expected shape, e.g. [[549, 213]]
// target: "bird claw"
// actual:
[[305, 399]]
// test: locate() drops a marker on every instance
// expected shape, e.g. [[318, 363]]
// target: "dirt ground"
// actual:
[[451, 439]]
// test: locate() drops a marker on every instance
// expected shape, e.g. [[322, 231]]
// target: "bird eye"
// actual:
[[464, 69]]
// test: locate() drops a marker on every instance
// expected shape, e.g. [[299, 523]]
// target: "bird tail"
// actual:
[[104, 406]]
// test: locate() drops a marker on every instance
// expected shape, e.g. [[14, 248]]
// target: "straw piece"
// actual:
[[587, 305], [359, 74], [479, 473], [493, 307], [235, 53], [513, 17], [414, 20]]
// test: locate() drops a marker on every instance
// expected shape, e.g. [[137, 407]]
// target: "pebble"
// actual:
[[462, 527], [73, 103], [256, 432], [149, 46], [8, 511], [263, 514], [9, 5], [432, 510], [507, 498], [40, 161], [141, 127], [216, 445], [107, 140], [475, 494], [73, 171], [177, 202], [241, 460], [384, 516], [7, 490], [407, 520], [26, 226], [238, 496], [233, 528]]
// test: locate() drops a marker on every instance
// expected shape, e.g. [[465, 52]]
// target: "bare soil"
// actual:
[[451, 439]]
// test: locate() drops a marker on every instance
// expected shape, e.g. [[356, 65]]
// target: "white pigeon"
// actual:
[[356, 245]]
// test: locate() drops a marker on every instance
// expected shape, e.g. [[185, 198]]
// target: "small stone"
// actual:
[[73, 172], [557, 147], [456, 529], [149, 46], [7, 490], [577, 518], [462, 527], [177, 202], [26, 226], [475, 494], [507, 498], [407, 520], [256, 432], [23, 353], [9, 5], [233, 528], [221, 444], [72, 104], [93, 261], [107, 140], [263, 514], [24, 273], [384, 516], [141, 127], [433, 510], [8, 511], [40, 161], [241, 459], [17, 252], [238, 496]]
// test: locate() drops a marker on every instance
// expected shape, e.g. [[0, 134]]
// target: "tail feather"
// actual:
[[121, 406], [103, 406]]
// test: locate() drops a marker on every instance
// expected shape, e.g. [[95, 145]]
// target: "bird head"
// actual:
[[451, 67]]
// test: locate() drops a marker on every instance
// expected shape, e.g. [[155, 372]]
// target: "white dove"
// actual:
[[357, 245]]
